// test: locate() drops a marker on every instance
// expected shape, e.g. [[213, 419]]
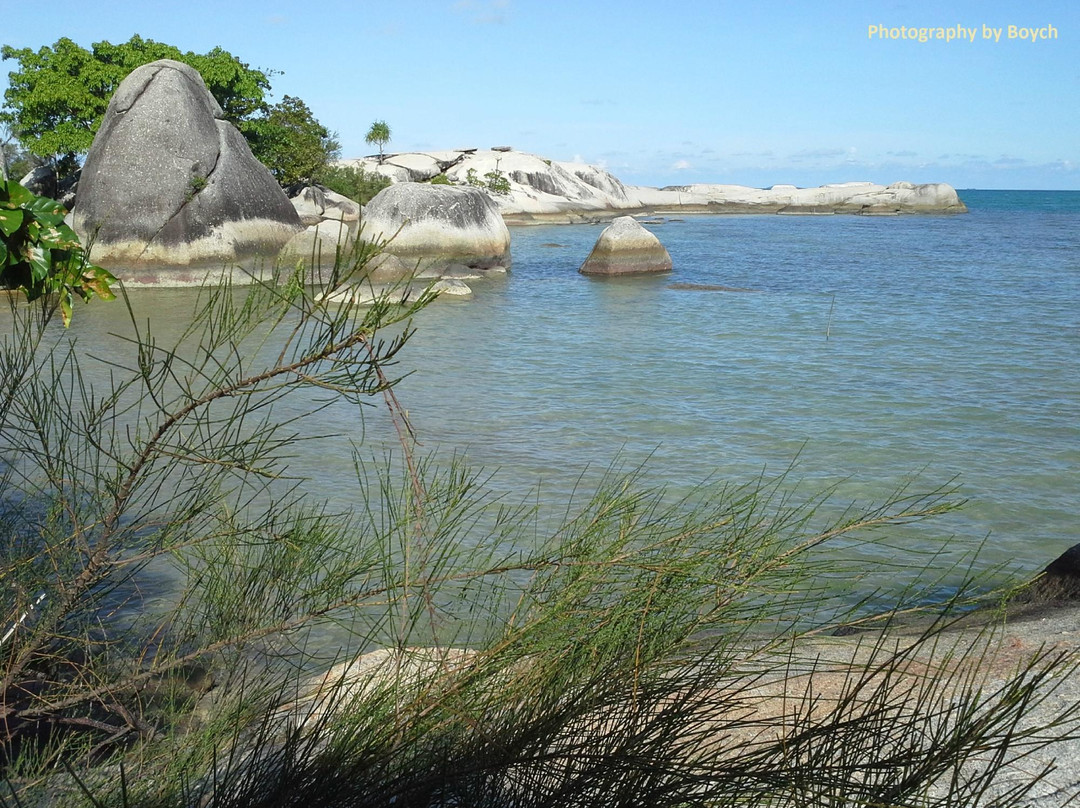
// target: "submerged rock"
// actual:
[[168, 181], [626, 248], [438, 226]]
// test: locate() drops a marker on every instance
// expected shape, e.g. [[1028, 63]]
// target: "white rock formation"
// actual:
[[438, 226], [315, 204], [319, 244], [552, 191]]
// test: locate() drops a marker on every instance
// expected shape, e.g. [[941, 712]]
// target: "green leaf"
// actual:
[[65, 307], [44, 207], [48, 218], [40, 262], [55, 238], [97, 280], [15, 194], [10, 221], [3, 256]]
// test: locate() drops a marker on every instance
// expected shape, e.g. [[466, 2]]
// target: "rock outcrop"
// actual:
[[864, 198], [319, 245], [1058, 584], [315, 204], [543, 190], [626, 248], [436, 227], [42, 181], [169, 182]]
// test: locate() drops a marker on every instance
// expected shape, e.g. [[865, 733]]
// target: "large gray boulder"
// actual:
[[626, 248], [169, 182], [436, 226]]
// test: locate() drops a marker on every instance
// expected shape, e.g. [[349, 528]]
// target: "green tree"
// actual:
[[56, 99], [378, 135], [292, 143]]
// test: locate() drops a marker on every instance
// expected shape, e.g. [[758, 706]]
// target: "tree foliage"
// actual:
[[291, 142], [378, 135], [57, 97], [352, 181]]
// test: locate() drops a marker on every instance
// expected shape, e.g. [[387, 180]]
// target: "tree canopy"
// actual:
[[291, 142], [378, 134], [57, 97]]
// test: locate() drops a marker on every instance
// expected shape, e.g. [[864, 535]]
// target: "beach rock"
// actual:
[[438, 226], [401, 674], [391, 172], [543, 190], [1060, 581], [420, 167], [42, 181], [387, 268], [314, 203], [319, 244], [168, 181], [626, 248]]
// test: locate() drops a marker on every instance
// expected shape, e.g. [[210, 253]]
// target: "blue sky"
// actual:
[[753, 93]]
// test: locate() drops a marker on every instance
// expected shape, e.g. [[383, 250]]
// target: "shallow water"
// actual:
[[868, 350]]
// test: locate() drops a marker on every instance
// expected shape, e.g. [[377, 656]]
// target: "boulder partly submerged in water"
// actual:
[[626, 248], [437, 226], [169, 182]]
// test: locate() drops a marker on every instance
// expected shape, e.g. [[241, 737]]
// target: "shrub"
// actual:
[[497, 182], [40, 255], [353, 182], [441, 179], [613, 657], [290, 142], [494, 181]]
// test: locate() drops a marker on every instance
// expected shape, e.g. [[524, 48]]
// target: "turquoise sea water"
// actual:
[[870, 349], [866, 350]]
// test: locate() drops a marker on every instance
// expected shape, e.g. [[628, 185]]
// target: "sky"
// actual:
[[752, 93]]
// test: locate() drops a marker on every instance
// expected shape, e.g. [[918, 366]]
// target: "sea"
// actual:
[[851, 355]]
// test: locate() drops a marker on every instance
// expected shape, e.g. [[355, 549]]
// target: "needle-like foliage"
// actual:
[[433, 646]]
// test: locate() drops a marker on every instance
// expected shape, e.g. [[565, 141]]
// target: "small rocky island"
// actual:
[[550, 191]]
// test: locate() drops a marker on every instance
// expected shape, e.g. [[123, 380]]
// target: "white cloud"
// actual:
[[491, 12], [681, 165]]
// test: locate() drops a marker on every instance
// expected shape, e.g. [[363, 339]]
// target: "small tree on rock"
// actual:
[[378, 135]]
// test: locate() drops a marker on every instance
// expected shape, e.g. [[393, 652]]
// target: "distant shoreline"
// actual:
[[530, 189]]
